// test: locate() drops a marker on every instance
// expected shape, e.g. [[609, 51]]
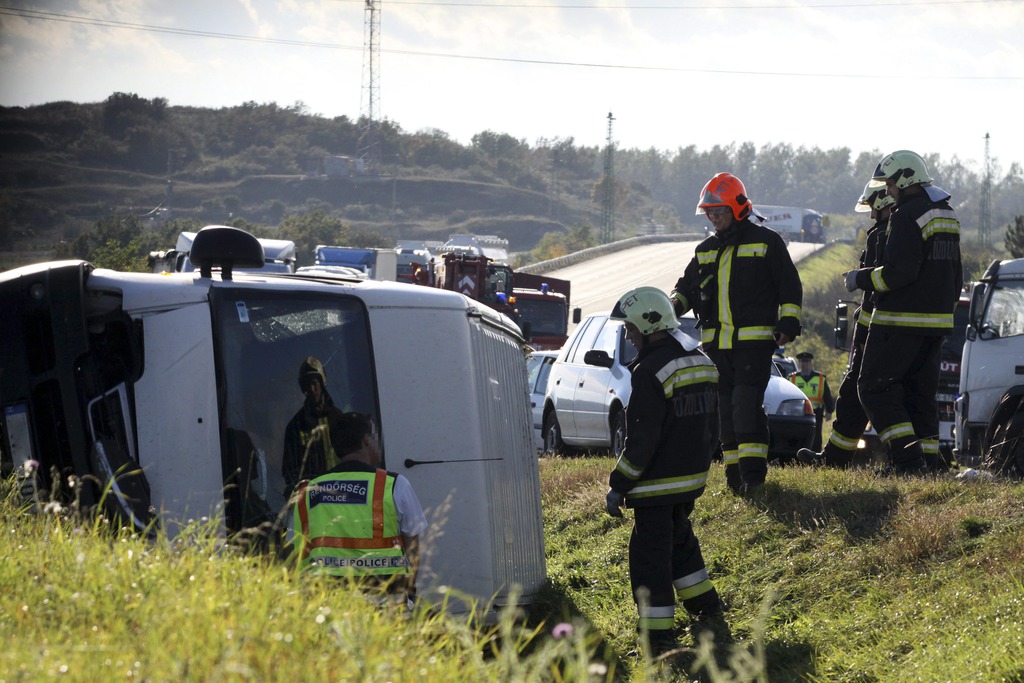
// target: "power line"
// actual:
[[110, 23]]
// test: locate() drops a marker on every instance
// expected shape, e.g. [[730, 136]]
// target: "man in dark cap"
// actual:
[[816, 389], [307, 442]]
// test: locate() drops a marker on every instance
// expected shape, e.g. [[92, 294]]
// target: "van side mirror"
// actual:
[[577, 315], [598, 357], [842, 326]]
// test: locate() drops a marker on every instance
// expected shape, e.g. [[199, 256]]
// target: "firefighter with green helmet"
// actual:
[[359, 519], [850, 418], [671, 433], [917, 286]]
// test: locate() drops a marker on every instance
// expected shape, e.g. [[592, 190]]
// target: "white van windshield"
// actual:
[[263, 338]]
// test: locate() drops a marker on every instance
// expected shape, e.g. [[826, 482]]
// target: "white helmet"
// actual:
[[874, 198], [648, 308], [904, 167]]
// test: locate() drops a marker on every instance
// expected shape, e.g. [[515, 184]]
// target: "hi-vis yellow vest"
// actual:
[[348, 524], [814, 388]]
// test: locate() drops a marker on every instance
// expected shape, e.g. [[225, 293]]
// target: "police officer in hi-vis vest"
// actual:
[[816, 389], [357, 519]]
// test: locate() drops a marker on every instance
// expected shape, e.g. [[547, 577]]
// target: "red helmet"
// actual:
[[725, 189]]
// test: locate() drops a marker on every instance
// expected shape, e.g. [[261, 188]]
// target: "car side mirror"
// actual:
[[598, 357]]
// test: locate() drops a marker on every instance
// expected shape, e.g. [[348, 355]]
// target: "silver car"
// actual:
[[589, 386]]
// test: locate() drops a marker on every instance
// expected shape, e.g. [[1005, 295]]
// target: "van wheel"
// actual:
[[618, 424], [553, 444]]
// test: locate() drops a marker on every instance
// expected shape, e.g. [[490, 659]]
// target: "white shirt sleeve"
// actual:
[[411, 520]]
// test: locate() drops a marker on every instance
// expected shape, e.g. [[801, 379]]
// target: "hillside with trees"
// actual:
[[68, 172]]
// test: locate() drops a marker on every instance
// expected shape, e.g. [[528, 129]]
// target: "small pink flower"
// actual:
[[561, 631]]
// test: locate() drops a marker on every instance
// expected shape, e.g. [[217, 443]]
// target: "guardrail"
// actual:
[[610, 248]]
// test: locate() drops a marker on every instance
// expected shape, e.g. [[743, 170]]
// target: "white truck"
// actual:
[[794, 223], [192, 377], [989, 411], [376, 264], [279, 256]]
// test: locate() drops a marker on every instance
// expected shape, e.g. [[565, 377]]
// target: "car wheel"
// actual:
[[552, 433], [618, 424]]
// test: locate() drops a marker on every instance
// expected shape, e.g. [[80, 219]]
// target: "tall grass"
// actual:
[[833, 576]]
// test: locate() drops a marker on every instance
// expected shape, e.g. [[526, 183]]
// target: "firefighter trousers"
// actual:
[[899, 378], [665, 558], [849, 420], [743, 376]]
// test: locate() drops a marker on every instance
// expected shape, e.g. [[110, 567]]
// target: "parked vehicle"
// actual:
[[794, 223], [278, 256], [990, 408], [589, 388], [188, 380], [538, 370], [377, 264]]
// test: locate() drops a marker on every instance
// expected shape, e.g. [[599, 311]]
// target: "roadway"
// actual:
[[599, 282]]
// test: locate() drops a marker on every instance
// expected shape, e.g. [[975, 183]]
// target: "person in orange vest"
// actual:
[[358, 519], [816, 389]]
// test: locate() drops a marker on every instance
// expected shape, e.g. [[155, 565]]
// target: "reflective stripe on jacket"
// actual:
[[349, 524]]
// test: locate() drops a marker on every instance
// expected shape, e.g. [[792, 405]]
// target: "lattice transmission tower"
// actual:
[[985, 206], [369, 134], [608, 197]]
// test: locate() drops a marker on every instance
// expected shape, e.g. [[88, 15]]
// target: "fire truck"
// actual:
[[538, 304]]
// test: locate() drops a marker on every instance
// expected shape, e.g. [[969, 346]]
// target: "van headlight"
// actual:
[[793, 407]]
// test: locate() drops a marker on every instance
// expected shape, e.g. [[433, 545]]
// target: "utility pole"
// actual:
[[369, 135], [608, 198], [985, 210]]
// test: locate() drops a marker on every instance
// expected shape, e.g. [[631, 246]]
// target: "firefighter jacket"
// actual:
[[307, 445], [347, 523], [919, 281], [743, 288], [816, 389], [671, 426], [871, 257]]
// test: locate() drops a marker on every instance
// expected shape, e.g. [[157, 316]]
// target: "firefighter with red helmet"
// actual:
[[671, 433], [746, 293], [917, 286], [850, 418]]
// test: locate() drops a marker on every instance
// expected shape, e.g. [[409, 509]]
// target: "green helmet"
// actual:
[[874, 198], [648, 308], [904, 167]]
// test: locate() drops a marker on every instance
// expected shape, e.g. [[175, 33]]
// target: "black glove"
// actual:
[[613, 503]]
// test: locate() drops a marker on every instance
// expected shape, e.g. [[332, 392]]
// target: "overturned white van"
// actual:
[[193, 377]]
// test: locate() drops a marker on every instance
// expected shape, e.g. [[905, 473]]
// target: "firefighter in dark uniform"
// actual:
[[307, 443], [850, 418], [671, 433], [815, 387], [918, 286], [746, 293]]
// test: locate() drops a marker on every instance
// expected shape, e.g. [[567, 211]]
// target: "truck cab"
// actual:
[[989, 411]]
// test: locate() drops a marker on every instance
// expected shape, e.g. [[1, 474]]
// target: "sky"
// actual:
[[934, 76]]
